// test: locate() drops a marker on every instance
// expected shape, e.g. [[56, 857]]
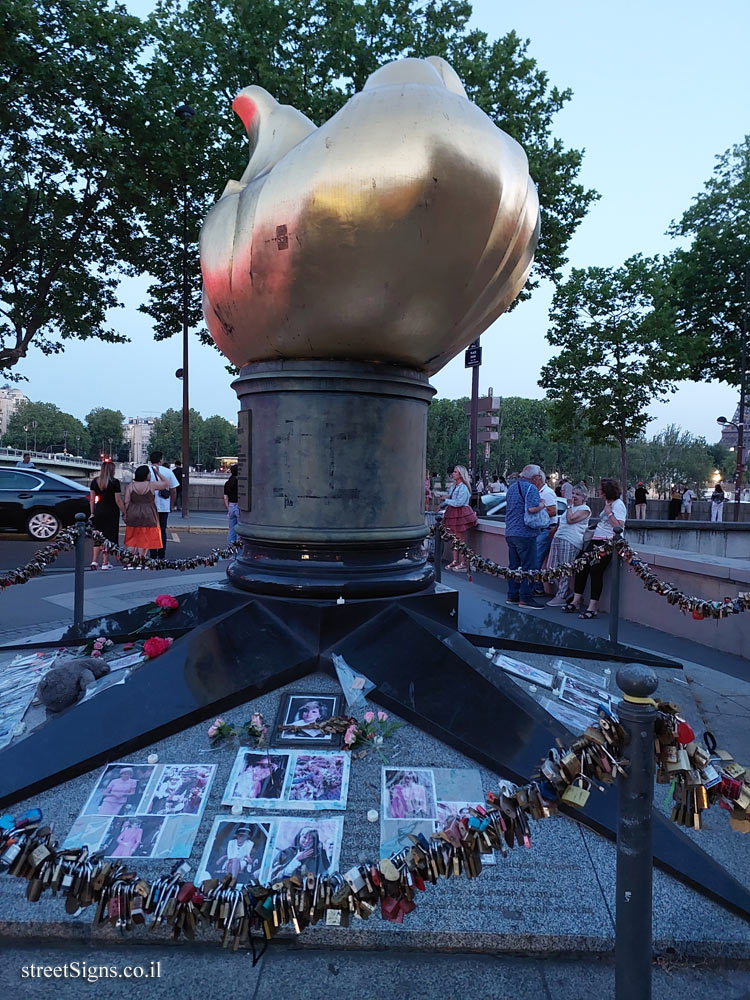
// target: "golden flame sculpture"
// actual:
[[395, 233]]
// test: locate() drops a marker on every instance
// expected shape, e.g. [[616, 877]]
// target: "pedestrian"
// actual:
[[427, 490], [230, 502], [177, 471], [717, 503], [640, 502], [26, 463], [675, 503], [545, 536], [165, 499], [105, 501], [613, 516], [522, 498], [142, 530], [566, 490], [459, 515], [568, 542], [480, 484], [496, 485], [630, 497], [687, 504]]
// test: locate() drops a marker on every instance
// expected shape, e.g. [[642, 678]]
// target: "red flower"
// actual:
[[166, 602], [155, 646]]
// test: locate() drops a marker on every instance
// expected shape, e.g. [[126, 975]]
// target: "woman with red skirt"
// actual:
[[459, 516]]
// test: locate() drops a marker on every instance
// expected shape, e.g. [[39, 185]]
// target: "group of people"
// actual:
[[538, 537], [145, 506]]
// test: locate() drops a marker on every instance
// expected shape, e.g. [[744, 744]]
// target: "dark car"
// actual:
[[39, 503]]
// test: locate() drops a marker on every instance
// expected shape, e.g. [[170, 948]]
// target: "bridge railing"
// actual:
[[13, 455]]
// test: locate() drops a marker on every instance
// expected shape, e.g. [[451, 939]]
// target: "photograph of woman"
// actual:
[[180, 789], [118, 792], [305, 848], [409, 794], [303, 710], [235, 849], [261, 776], [132, 838]]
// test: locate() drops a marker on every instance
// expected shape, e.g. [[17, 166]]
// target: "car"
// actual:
[[492, 506], [39, 503]]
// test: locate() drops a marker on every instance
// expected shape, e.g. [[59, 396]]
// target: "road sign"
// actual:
[[473, 356], [485, 436], [486, 404], [488, 421]]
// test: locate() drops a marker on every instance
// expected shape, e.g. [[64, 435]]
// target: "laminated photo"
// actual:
[[319, 781], [523, 670], [583, 696], [119, 790], [177, 837], [258, 779], [179, 789], [409, 793], [87, 831], [132, 837], [305, 847], [237, 848]]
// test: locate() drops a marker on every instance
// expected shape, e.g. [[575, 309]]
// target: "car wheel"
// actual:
[[43, 525]]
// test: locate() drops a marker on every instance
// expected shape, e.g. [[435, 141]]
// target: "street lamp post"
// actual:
[[78, 445], [26, 431], [34, 425], [185, 113]]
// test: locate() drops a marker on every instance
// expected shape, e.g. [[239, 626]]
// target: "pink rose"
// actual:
[[211, 732], [350, 735], [155, 646], [166, 602], [369, 716], [382, 716], [99, 643], [96, 652]]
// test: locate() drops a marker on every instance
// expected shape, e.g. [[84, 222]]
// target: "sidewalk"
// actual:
[[198, 521]]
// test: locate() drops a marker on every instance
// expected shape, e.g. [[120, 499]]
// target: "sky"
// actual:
[[659, 90]]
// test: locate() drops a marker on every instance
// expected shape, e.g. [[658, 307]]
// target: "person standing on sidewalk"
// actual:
[[230, 502], [164, 498], [717, 503], [687, 504], [545, 536], [106, 504], [640, 502], [522, 496]]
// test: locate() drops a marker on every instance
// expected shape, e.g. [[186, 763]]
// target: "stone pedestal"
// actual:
[[331, 479]]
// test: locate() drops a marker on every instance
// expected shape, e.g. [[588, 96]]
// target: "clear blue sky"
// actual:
[[659, 89]]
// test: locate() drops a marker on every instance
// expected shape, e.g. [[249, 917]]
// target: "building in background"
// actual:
[[10, 400], [138, 435]]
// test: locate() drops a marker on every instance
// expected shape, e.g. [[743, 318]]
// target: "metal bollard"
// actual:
[[80, 551], [614, 596], [635, 863]]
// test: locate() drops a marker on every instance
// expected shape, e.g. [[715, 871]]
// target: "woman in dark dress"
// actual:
[[106, 503]]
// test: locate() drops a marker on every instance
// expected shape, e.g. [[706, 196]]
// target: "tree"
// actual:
[[72, 131], [50, 431], [708, 277], [672, 456], [447, 436], [618, 353], [105, 431], [218, 437], [314, 54], [166, 435]]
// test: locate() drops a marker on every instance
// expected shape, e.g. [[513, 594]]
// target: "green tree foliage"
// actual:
[[71, 135], [218, 437], [105, 431], [447, 436], [708, 277], [618, 353], [673, 456], [314, 54], [166, 435], [52, 423]]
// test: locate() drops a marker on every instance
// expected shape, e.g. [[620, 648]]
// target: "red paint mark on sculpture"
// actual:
[[244, 106]]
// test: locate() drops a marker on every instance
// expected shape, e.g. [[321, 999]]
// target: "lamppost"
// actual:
[[34, 425], [185, 113], [78, 445], [26, 431], [740, 467], [65, 442]]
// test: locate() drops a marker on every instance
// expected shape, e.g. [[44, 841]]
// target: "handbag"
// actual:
[[540, 520]]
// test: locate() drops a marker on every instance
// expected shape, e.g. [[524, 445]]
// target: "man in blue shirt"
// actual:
[[26, 463], [521, 496]]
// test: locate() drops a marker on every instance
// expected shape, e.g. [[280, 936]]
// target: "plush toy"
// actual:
[[65, 685]]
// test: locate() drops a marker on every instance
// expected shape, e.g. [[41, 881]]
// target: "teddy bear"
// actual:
[[65, 685]]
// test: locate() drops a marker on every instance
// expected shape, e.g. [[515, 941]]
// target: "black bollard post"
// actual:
[[80, 551], [633, 945], [614, 597], [437, 553]]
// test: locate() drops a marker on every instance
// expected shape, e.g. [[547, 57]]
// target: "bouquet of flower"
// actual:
[[166, 603], [254, 732], [371, 733], [155, 646], [97, 647]]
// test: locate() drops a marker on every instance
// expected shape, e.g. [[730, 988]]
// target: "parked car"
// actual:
[[40, 503], [492, 505]]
